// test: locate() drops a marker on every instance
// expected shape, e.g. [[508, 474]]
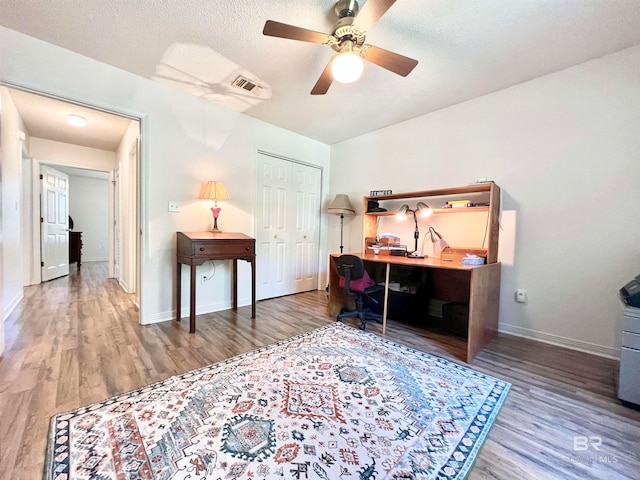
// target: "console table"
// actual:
[[195, 248]]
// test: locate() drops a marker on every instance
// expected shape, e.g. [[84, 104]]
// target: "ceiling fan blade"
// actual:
[[370, 13], [393, 62], [324, 82], [282, 30]]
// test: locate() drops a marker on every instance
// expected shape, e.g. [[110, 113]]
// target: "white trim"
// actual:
[[200, 310], [592, 348], [11, 306], [95, 259]]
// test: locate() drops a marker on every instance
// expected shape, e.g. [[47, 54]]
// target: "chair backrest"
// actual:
[[353, 277], [350, 264]]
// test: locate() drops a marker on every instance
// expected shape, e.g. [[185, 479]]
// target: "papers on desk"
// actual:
[[388, 249]]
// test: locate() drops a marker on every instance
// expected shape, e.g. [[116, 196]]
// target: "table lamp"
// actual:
[[214, 190], [423, 210], [439, 243], [341, 206]]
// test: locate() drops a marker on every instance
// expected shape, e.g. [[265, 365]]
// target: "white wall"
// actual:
[[89, 208], [11, 171], [565, 149], [185, 142], [59, 153]]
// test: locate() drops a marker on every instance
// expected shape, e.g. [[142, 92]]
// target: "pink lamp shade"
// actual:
[[215, 190]]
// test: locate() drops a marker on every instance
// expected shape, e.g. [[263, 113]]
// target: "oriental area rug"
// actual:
[[334, 403]]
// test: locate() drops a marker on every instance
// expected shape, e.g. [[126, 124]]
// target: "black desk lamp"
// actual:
[[421, 208], [341, 206]]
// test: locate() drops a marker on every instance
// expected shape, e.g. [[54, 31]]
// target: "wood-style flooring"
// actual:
[[76, 340]]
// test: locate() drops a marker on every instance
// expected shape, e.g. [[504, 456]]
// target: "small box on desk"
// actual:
[[389, 241], [456, 254]]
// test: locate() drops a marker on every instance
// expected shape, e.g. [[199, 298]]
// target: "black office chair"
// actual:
[[351, 269]]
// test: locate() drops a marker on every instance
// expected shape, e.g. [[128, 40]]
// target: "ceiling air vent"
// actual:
[[245, 84]]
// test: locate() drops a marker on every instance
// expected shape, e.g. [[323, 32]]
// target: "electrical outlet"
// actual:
[[173, 207], [521, 296], [203, 279]]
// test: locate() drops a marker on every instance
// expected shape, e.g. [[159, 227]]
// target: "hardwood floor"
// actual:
[[76, 340]]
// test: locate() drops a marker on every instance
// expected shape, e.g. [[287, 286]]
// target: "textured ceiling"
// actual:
[[465, 49]]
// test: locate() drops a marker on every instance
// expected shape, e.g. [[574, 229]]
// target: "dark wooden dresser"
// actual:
[[195, 248], [75, 248]]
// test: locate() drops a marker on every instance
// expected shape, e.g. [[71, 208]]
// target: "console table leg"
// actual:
[[253, 288], [192, 301], [179, 292], [234, 283]]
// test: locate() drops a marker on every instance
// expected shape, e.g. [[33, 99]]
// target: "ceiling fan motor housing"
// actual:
[[346, 8], [343, 31]]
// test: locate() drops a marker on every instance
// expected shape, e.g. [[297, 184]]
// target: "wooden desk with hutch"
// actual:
[[477, 285]]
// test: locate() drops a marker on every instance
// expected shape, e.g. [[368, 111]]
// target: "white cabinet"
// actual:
[[629, 381]]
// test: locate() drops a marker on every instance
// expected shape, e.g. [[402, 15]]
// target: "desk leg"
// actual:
[[386, 299], [178, 291], [253, 288], [192, 301], [234, 283]]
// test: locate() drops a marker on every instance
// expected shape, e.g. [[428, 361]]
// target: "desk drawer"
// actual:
[[224, 249]]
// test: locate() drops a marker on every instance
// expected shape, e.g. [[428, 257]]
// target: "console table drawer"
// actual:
[[208, 249]]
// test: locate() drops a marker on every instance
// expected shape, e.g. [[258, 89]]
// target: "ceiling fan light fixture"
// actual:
[[347, 67]]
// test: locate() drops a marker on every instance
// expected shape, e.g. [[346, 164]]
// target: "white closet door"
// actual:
[[287, 233], [55, 223], [306, 182]]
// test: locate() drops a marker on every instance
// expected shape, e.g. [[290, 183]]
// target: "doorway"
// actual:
[[49, 143]]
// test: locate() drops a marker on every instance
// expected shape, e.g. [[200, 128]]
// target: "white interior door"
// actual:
[[287, 233], [55, 223], [306, 235]]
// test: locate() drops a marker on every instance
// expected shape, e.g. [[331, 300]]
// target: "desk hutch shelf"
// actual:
[[489, 193]]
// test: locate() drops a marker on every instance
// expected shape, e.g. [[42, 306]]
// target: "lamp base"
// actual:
[[215, 211]]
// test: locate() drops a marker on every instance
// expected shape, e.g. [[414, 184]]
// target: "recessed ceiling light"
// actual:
[[76, 120]]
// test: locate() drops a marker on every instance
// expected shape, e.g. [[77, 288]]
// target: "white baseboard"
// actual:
[[435, 310], [11, 306], [94, 259], [573, 344], [200, 310]]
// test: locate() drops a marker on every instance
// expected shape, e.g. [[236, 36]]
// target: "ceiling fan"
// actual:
[[348, 40]]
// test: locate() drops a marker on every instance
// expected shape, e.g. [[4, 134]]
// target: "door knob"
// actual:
[[275, 236], [305, 237]]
